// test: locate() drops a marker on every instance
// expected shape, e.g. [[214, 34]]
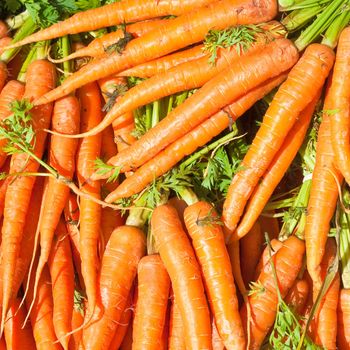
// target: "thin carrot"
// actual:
[[297, 295], [77, 321], [138, 29], [4, 184], [153, 293], [280, 117], [176, 331], [343, 336], [16, 336], [119, 264], [62, 275], [3, 74], [276, 169], [111, 15], [263, 302], [187, 144], [185, 275], [218, 15], [339, 102], [40, 78]]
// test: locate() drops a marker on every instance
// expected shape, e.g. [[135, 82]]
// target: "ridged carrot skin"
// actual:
[[187, 144], [176, 339], [12, 91], [263, 303], [339, 102], [140, 28], [209, 245], [216, 341], [297, 295], [169, 38], [343, 336], [229, 85], [304, 80], [118, 270], [180, 261], [41, 78], [151, 307], [276, 170], [3, 75]]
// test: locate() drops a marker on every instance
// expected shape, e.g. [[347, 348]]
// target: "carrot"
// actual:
[[17, 337], [90, 212], [176, 331], [41, 314], [141, 28], [339, 102], [180, 261], [127, 341], [343, 336], [251, 247], [263, 302], [209, 245], [62, 275], [119, 263], [325, 321], [297, 295], [77, 321], [40, 78], [5, 41], [153, 292], [276, 169], [12, 91], [111, 15], [2, 344], [4, 184], [3, 29], [3, 74], [124, 137], [280, 117], [217, 343], [269, 225], [187, 144], [218, 15]]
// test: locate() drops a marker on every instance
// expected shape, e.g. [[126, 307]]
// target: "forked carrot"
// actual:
[[280, 117], [216, 15]]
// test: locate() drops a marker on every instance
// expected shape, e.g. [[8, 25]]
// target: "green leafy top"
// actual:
[[103, 168]]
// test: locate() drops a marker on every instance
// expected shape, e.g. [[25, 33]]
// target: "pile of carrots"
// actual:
[[175, 174]]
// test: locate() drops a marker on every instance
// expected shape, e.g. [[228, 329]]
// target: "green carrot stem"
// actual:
[[65, 47], [333, 32], [29, 59], [17, 21], [344, 240], [42, 50], [155, 113], [290, 5], [26, 29], [188, 195], [148, 120], [138, 217]]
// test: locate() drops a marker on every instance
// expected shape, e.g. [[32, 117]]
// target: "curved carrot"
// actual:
[[180, 261], [168, 38], [187, 144], [40, 78], [343, 336], [280, 117], [153, 293], [297, 295], [263, 303], [276, 169], [3, 74], [16, 336], [176, 331], [119, 264], [209, 245], [339, 102], [90, 212], [111, 15], [62, 276]]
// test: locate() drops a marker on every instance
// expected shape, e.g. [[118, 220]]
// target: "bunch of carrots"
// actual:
[[175, 174]]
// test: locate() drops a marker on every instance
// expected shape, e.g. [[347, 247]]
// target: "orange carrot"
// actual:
[[217, 343], [141, 28], [2, 344], [180, 261], [297, 295], [277, 169], [218, 15], [176, 331], [3, 29], [3, 74], [339, 103], [17, 337], [77, 321], [5, 41], [153, 293], [187, 144], [127, 341], [40, 78], [119, 263], [62, 275], [343, 336], [4, 184], [280, 117], [209, 245], [90, 212], [263, 303]]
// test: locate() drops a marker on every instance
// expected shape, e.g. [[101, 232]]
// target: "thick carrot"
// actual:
[[17, 337], [187, 144], [276, 169], [119, 264], [11, 92], [343, 336], [339, 102], [209, 245], [176, 331], [90, 212], [297, 295], [305, 80], [40, 78], [217, 343], [170, 37], [153, 293], [180, 261], [62, 275], [3, 74], [263, 303], [111, 15]]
